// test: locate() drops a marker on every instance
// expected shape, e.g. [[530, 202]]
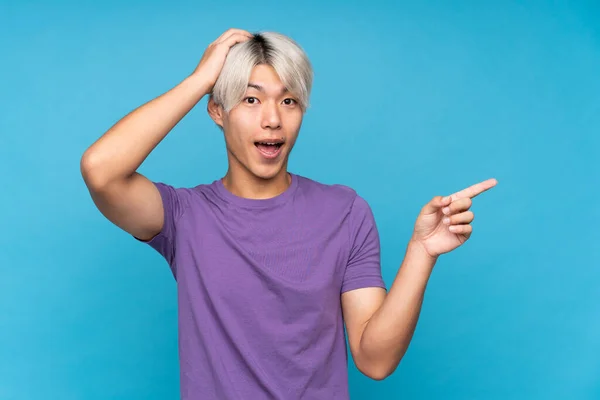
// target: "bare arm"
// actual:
[[109, 166], [381, 326]]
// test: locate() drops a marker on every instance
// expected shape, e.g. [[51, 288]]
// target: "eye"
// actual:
[[289, 102], [251, 100]]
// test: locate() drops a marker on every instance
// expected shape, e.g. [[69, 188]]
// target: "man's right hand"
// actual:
[[214, 57], [109, 166]]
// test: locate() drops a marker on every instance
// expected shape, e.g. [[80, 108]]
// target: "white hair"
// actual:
[[287, 58]]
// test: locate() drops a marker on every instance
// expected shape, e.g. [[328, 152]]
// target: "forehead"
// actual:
[[265, 76]]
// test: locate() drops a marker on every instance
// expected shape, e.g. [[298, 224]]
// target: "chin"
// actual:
[[267, 173]]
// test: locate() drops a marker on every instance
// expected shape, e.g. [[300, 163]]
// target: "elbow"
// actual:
[[86, 164], [378, 375], [377, 363], [91, 171], [377, 371]]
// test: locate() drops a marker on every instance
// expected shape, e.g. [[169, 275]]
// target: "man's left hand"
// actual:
[[445, 222]]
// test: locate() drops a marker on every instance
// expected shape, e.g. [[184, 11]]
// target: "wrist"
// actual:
[[416, 250], [200, 84]]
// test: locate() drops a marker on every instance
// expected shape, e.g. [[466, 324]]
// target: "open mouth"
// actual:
[[269, 149]]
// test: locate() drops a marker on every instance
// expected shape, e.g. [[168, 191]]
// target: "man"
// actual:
[[269, 265]]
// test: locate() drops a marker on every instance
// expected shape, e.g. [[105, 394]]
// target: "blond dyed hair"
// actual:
[[287, 58]]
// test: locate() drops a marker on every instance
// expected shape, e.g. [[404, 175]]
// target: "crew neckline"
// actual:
[[257, 203]]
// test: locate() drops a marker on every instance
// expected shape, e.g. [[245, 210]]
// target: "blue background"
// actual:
[[409, 101]]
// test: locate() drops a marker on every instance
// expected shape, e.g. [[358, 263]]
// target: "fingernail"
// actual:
[[446, 210], [446, 220]]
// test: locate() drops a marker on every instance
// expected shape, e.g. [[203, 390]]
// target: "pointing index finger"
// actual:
[[475, 190]]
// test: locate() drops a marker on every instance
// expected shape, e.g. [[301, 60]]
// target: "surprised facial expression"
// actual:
[[260, 132]]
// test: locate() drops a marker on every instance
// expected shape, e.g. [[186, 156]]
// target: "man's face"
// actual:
[[267, 114]]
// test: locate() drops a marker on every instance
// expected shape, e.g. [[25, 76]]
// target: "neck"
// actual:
[[250, 186]]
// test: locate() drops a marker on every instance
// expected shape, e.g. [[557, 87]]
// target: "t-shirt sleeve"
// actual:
[[173, 207], [364, 266]]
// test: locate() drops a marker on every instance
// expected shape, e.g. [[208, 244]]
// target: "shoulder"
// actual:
[[186, 192], [335, 196], [180, 193], [180, 198], [325, 190]]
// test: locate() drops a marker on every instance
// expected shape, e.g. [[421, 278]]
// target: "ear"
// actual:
[[215, 111]]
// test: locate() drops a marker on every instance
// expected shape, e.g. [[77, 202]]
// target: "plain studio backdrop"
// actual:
[[410, 101]]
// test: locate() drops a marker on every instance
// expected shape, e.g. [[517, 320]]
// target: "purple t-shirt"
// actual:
[[259, 285]]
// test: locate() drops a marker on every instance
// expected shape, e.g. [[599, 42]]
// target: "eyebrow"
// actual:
[[262, 89]]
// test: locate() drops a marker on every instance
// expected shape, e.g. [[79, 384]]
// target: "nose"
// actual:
[[270, 116]]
